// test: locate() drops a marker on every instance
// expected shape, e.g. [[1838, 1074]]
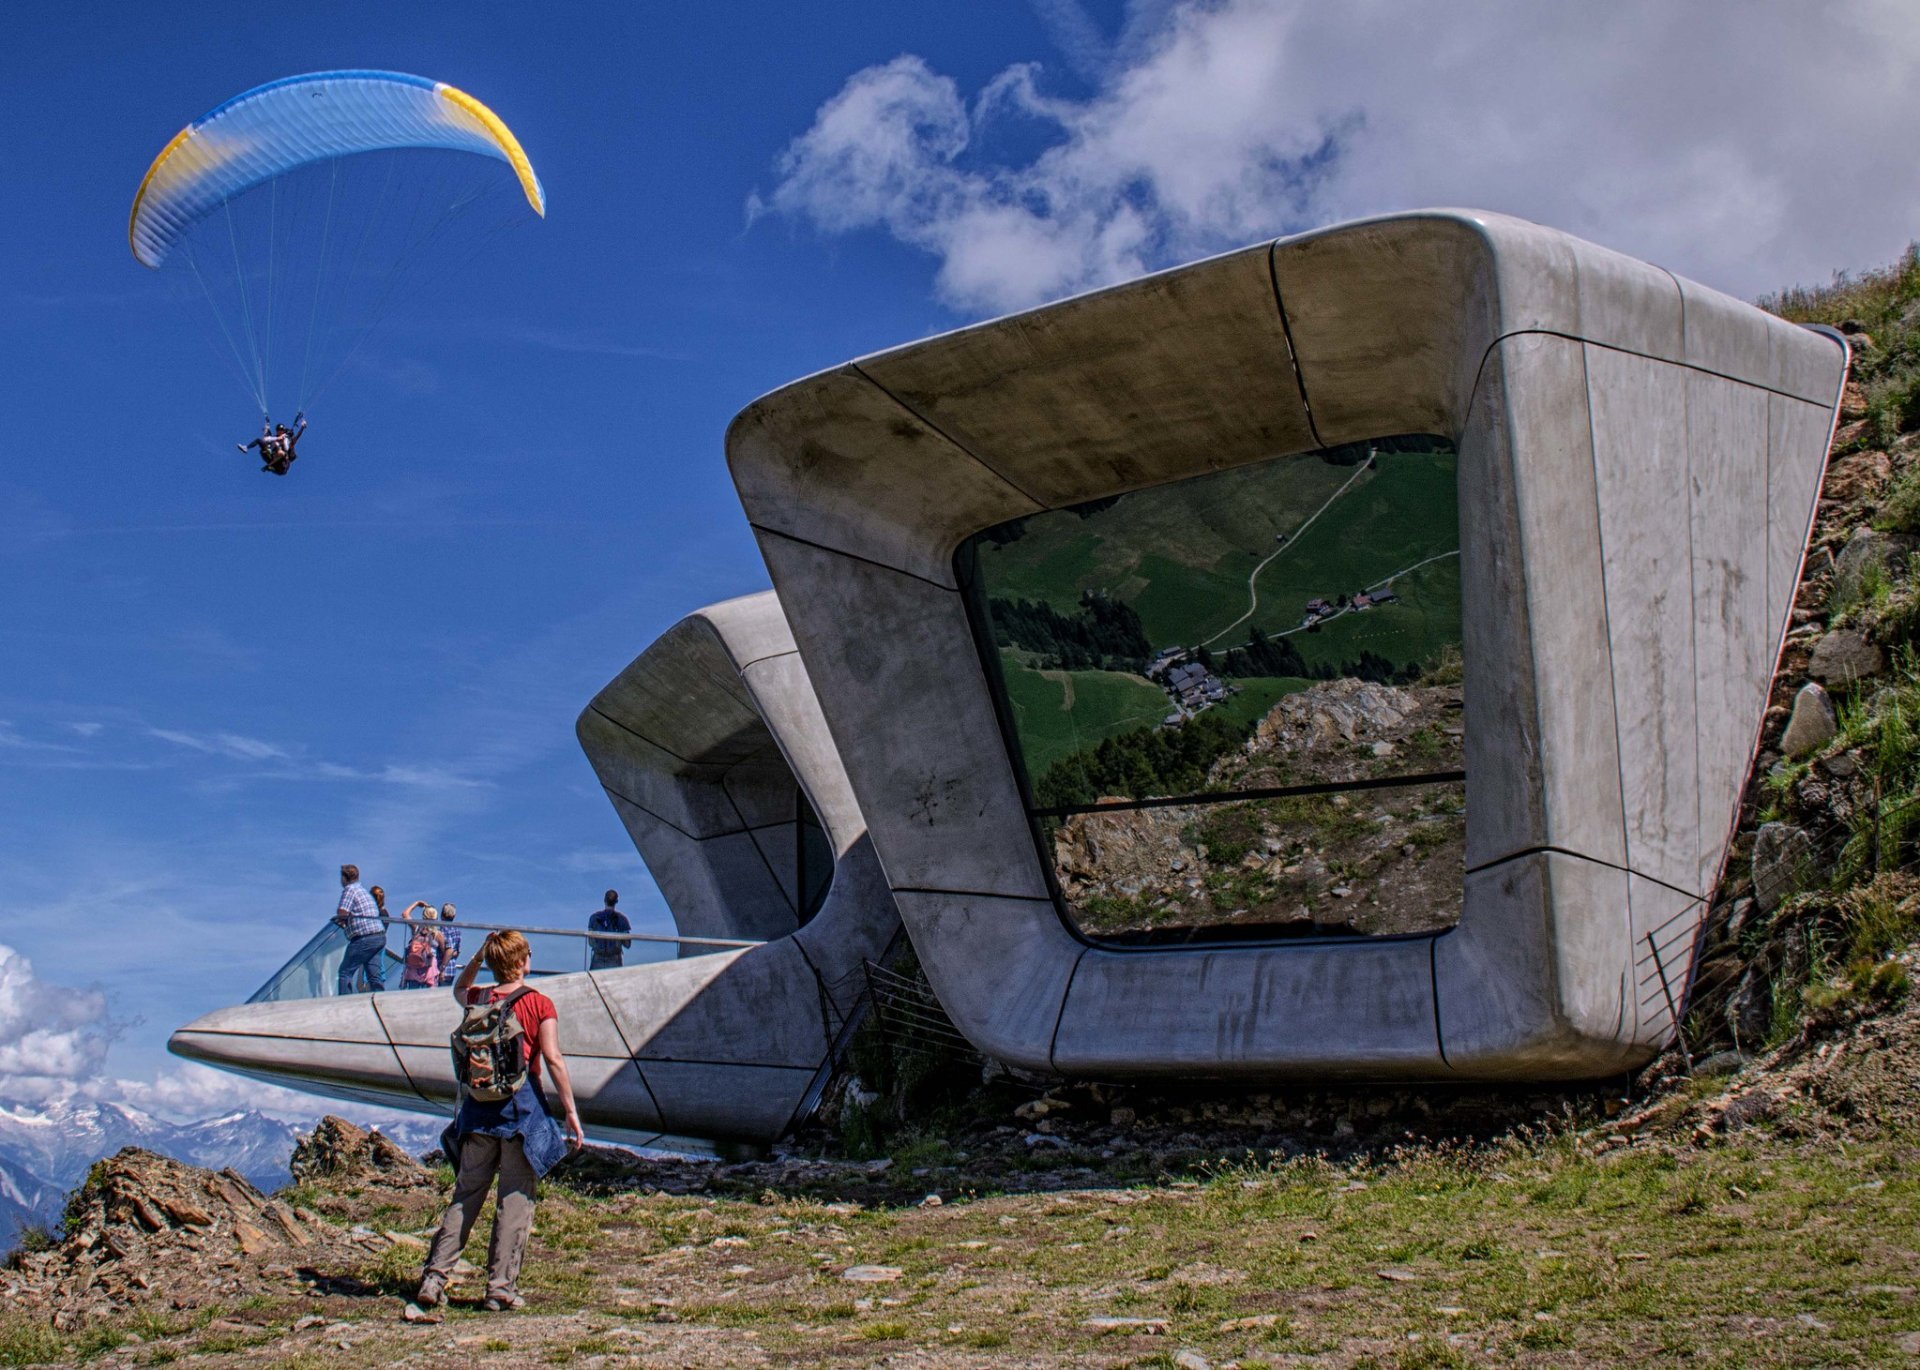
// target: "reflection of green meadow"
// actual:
[[1057, 713], [1418, 627], [1181, 554], [1106, 704]]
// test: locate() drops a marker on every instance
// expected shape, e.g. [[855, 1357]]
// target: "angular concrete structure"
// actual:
[[712, 748], [1639, 459]]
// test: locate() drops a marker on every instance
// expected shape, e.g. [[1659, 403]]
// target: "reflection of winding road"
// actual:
[[1366, 590], [1369, 589], [1293, 539]]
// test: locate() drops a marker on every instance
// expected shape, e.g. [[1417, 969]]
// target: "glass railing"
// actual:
[[314, 971]]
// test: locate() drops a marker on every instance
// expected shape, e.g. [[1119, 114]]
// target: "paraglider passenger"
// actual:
[[264, 443]]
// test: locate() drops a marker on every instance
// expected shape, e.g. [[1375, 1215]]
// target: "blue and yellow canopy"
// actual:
[[284, 124]]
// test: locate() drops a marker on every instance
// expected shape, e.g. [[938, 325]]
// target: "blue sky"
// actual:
[[195, 653], [216, 685]]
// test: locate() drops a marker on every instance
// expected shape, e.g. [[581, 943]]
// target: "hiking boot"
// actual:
[[433, 1293], [504, 1303]]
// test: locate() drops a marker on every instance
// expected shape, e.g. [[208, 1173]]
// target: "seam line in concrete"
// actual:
[[949, 438], [971, 894], [1060, 1014], [632, 731], [1648, 356], [1547, 848], [373, 1001], [691, 837], [1286, 331], [854, 556], [633, 1057]]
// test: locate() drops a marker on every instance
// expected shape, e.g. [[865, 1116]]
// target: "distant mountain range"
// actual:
[[44, 1153]]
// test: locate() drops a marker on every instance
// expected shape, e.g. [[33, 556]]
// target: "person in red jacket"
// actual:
[[514, 1139]]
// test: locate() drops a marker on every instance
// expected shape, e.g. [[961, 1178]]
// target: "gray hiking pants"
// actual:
[[481, 1158]]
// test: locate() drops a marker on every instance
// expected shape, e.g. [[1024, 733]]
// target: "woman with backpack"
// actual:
[[503, 1126], [426, 949]]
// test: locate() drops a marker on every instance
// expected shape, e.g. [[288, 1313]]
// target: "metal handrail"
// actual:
[[394, 920]]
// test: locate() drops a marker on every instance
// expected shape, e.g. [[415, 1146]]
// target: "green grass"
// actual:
[[1103, 703], [1181, 554], [1420, 627]]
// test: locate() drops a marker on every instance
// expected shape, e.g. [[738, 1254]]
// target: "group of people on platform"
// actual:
[[432, 954]]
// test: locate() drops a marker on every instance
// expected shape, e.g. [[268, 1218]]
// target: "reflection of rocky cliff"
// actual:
[[1373, 861]]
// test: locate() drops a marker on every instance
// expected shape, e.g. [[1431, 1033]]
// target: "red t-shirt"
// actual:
[[532, 1009]]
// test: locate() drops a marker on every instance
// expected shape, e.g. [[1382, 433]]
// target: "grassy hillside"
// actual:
[[1057, 713], [1181, 555]]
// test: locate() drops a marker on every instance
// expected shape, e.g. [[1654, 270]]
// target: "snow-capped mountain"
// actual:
[[46, 1152]]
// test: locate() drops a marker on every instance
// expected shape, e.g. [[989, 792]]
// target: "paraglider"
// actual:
[[276, 444], [304, 210]]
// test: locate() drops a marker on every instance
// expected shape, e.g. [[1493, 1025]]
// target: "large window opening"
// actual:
[[1235, 700]]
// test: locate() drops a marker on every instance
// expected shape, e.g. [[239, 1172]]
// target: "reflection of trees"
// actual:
[[1105, 634], [1265, 656], [1142, 763]]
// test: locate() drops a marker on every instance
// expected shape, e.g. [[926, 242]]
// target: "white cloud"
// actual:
[[1750, 145], [54, 1040], [188, 1093], [51, 1036], [280, 762]]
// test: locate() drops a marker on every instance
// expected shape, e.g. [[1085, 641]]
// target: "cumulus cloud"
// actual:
[[52, 1037], [1748, 145], [53, 1044]]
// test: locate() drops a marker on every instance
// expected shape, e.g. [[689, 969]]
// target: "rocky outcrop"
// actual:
[[1845, 656], [146, 1227], [1375, 861], [336, 1150]]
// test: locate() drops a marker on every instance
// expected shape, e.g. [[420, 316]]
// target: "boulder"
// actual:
[[1844, 656], [1813, 724], [1750, 1010], [1866, 552], [1784, 863]]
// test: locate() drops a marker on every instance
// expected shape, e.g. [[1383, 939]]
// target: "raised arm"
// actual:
[[467, 973], [557, 1069]]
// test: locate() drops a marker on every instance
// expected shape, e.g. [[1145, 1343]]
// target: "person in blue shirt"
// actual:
[[607, 953]]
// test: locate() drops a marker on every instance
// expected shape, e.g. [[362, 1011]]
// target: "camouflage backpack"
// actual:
[[489, 1050]]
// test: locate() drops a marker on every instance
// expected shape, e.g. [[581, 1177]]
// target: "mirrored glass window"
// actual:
[[1236, 699]]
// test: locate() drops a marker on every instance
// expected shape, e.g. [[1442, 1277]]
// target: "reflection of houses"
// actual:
[[1165, 660], [1193, 688]]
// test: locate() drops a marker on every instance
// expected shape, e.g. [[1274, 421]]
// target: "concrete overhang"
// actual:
[[701, 742]]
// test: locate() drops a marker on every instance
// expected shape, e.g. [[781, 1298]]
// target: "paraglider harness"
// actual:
[[276, 444]]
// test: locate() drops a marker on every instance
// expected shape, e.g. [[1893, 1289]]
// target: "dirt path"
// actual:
[[1293, 538]]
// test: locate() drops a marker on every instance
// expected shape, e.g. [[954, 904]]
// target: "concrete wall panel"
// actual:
[[1793, 487], [1535, 984], [904, 692], [1346, 1009], [879, 476], [1639, 412], [1081, 394], [1000, 968], [1544, 392], [1735, 629]]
